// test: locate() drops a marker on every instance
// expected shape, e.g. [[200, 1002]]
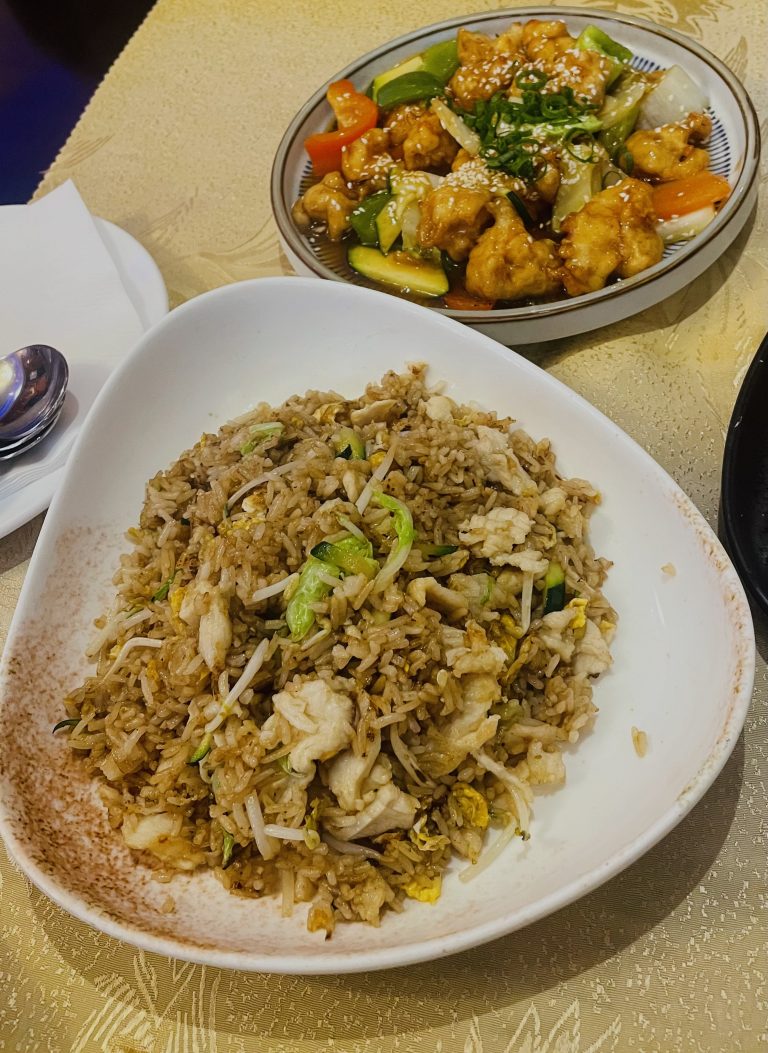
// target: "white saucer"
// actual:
[[146, 290]]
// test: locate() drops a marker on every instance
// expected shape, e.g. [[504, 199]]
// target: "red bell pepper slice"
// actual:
[[355, 114]]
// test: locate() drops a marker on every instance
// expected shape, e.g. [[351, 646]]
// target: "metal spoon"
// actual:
[[33, 383]]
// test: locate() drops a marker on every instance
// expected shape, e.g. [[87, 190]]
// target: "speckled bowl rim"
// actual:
[[730, 725], [732, 210]]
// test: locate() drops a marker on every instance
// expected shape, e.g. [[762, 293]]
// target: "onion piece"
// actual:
[[672, 99], [683, 228], [456, 128]]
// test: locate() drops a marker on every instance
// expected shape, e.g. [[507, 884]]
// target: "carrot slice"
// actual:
[[681, 196], [458, 299]]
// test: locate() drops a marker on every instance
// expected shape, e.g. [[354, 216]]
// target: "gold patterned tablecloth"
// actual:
[[672, 955]]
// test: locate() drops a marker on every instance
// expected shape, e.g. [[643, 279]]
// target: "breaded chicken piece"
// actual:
[[452, 218], [614, 233], [507, 263], [473, 47], [548, 180], [429, 146], [401, 120], [463, 157], [329, 202], [417, 136], [551, 49], [486, 64], [367, 159], [481, 80], [510, 42], [668, 152]]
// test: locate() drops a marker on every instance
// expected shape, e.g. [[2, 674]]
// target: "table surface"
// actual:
[[176, 147]]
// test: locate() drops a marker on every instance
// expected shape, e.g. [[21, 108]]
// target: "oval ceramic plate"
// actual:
[[734, 153], [683, 652]]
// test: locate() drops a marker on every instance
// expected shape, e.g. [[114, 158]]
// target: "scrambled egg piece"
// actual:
[[229, 526], [152, 672], [507, 263], [495, 534], [425, 841], [665, 153], [452, 218], [175, 600], [578, 609], [423, 888], [552, 632], [472, 805], [614, 233]]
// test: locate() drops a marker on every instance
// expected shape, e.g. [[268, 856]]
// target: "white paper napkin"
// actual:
[[59, 286]]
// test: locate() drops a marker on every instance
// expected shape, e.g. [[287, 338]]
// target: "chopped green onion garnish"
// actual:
[[284, 763], [162, 592], [625, 160], [68, 723], [202, 750], [434, 551], [520, 208], [227, 849], [513, 132]]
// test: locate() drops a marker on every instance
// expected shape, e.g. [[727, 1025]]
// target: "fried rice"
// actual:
[[350, 639]]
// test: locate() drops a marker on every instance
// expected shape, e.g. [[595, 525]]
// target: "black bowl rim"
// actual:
[[732, 209], [733, 536]]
